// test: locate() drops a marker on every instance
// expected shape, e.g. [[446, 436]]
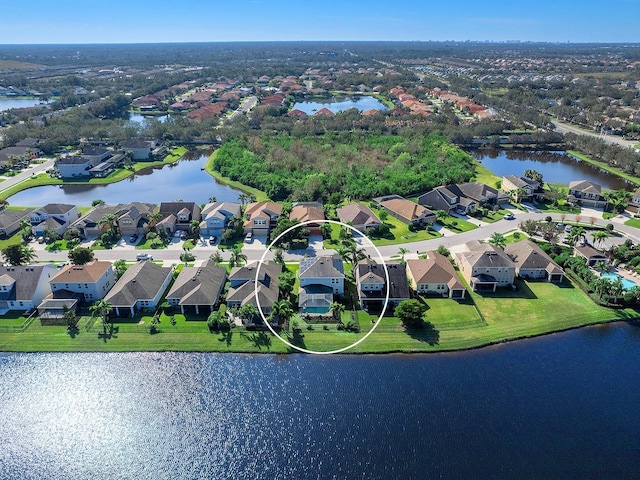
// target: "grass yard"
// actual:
[[15, 239], [633, 222], [460, 225], [486, 176]]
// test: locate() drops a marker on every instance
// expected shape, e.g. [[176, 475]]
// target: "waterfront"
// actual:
[[553, 407], [361, 102], [556, 167], [184, 179], [9, 103]]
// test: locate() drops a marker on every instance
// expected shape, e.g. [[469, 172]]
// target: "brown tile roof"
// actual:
[[324, 112], [305, 213], [405, 208], [435, 269], [357, 214]]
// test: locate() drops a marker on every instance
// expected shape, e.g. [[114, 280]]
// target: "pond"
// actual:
[[185, 180], [564, 406], [555, 167], [9, 103], [141, 120], [361, 102]]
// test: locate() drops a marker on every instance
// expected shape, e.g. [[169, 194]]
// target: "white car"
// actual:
[[144, 256]]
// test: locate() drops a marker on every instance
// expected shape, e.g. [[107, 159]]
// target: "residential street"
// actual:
[[567, 128], [26, 174]]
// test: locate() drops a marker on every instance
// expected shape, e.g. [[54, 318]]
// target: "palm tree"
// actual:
[[244, 199], [336, 308], [575, 235], [402, 251], [102, 309], [599, 237], [441, 216], [283, 310], [352, 254], [325, 229], [216, 258], [601, 267], [154, 218], [108, 220], [213, 199], [195, 228], [497, 239], [237, 257]]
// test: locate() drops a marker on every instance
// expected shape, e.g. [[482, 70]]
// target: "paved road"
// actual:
[[26, 174], [245, 107], [566, 128], [255, 251]]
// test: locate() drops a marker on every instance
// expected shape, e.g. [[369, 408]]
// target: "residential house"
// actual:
[[130, 218], [484, 195], [53, 216], [140, 149], [51, 311], [520, 188], [371, 282], [450, 199], [216, 216], [198, 289], [406, 211], [485, 267], [178, 216], [533, 263], [320, 279], [359, 216], [140, 287], [71, 166], [93, 280], [590, 254], [10, 220], [261, 217], [23, 288], [586, 194], [634, 203], [308, 212], [243, 290], [435, 275]]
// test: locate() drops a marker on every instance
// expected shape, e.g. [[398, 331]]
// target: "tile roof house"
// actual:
[[10, 220], [449, 198], [23, 288], [198, 288], [359, 216], [55, 216], [242, 291], [371, 283], [483, 194], [586, 194], [406, 210], [435, 275], [93, 280], [533, 263], [178, 216], [261, 217], [485, 267], [140, 287], [320, 279], [215, 217], [512, 183], [130, 218], [308, 212]]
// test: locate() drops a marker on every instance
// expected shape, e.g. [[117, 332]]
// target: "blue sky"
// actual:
[[126, 21]]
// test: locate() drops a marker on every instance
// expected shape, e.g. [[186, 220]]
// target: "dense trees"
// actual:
[[354, 164], [18, 254]]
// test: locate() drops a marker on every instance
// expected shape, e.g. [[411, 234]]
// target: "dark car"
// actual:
[[133, 238]]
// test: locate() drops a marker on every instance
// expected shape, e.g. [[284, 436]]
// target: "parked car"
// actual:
[[509, 216], [177, 234], [248, 237], [144, 256], [568, 228], [183, 235], [212, 240], [133, 238]]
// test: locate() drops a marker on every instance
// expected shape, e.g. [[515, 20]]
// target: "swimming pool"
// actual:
[[626, 283]]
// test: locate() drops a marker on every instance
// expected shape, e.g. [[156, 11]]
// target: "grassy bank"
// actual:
[[604, 166], [116, 176], [259, 194], [535, 308]]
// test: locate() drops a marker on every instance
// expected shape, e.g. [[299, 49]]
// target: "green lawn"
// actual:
[[14, 239], [57, 245], [460, 225], [633, 222], [615, 171], [486, 176]]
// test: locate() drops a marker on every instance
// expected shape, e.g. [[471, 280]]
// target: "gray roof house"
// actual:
[[359, 216], [533, 263], [449, 199], [178, 216], [405, 210], [140, 286], [242, 291], [435, 275], [198, 288], [23, 288], [586, 194], [485, 267], [320, 279], [56, 216], [215, 216], [10, 220], [372, 284]]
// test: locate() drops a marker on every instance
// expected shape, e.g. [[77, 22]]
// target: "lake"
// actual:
[[361, 102], [9, 103], [561, 406], [184, 180], [141, 120], [555, 167]]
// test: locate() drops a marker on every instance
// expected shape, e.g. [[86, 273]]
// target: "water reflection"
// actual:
[[185, 180], [555, 166], [362, 103]]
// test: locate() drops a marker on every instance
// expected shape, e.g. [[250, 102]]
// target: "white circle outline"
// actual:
[[304, 350]]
